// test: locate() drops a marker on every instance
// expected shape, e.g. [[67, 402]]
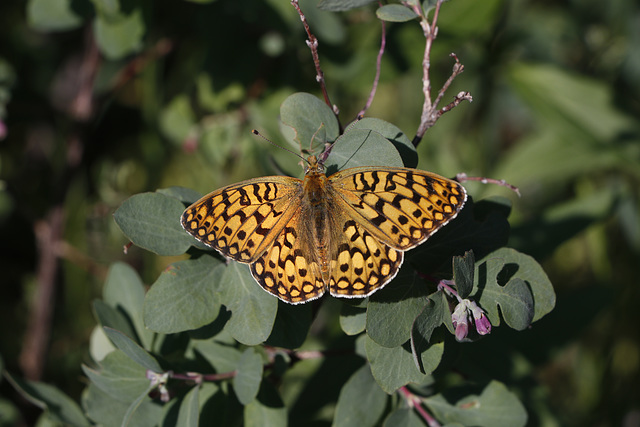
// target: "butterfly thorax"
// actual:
[[316, 215]]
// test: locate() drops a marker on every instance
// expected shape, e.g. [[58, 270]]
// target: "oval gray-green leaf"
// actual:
[[342, 5], [152, 221], [185, 296], [353, 319], [119, 377], [267, 410], [405, 417], [248, 377], [496, 407], [463, 267], [222, 357], [393, 309], [133, 350], [253, 310], [394, 367], [395, 13], [313, 122], [123, 290], [61, 407], [393, 133], [189, 413], [361, 401], [362, 147]]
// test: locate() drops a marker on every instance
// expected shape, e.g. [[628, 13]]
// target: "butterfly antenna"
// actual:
[[255, 132]]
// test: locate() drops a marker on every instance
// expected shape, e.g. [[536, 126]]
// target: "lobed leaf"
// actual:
[[517, 284]]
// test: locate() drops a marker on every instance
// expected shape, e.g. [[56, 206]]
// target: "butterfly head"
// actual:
[[314, 165]]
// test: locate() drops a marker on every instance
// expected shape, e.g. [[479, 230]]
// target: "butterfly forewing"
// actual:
[[401, 207], [242, 220]]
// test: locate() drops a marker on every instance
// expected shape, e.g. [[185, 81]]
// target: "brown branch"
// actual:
[[48, 233]]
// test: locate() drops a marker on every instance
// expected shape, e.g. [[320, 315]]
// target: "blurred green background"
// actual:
[[101, 99]]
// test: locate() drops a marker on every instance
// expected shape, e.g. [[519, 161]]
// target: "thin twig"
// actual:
[[430, 112], [374, 86], [462, 177], [414, 402], [312, 42]]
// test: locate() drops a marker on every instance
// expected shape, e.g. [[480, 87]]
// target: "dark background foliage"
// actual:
[[103, 104]]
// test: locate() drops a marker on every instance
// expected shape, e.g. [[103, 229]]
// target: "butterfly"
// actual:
[[345, 233]]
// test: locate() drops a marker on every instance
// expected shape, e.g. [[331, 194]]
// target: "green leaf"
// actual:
[[435, 313], [253, 311], [395, 13], [111, 317], [189, 414], [463, 268], [291, 325], [105, 410], [185, 296], [495, 407], [119, 35], [353, 319], [267, 409], [405, 417], [185, 195], [361, 401], [392, 310], [394, 367], [342, 5], [133, 350], [177, 119], [152, 221], [135, 406], [312, 121], [124, 291], [248, 377], [362, 147], [61, 407], [394, 135], [52, 15], [222, 357], [508, 278], [119, 377]]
